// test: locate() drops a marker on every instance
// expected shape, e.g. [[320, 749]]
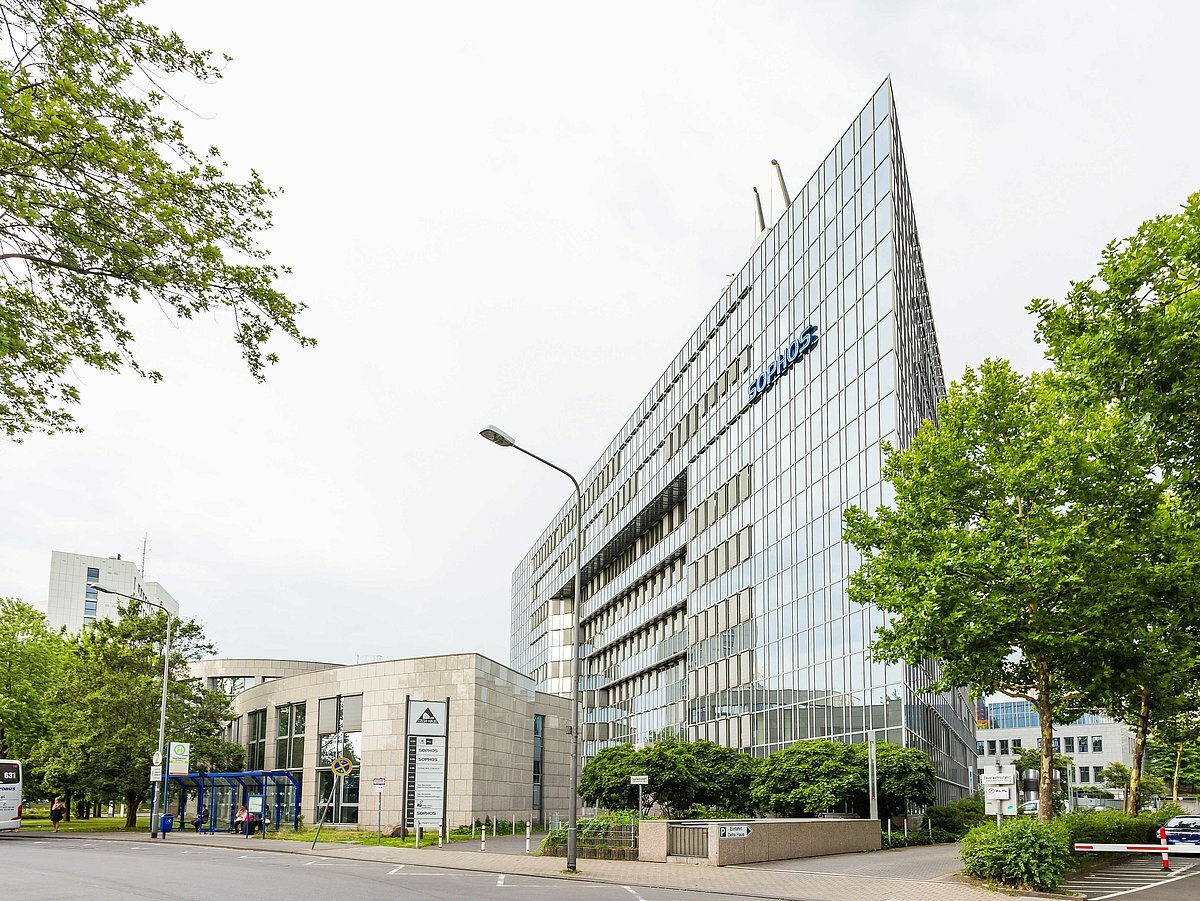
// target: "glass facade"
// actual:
[[714, 585]]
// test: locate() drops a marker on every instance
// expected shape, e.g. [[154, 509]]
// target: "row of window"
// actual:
[[1068, 744]]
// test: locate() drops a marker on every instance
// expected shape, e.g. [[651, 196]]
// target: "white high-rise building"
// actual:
[[72, 601]]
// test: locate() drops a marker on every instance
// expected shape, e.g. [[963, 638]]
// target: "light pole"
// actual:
[[494, 435], [162, 712]]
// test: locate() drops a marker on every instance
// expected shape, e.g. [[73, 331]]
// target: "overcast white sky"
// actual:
[[517, 213]]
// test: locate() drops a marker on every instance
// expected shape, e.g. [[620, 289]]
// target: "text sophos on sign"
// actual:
[[793, 351]]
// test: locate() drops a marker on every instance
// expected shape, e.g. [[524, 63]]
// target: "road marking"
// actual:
[[500, 881], [395, 870], [1142, 888]]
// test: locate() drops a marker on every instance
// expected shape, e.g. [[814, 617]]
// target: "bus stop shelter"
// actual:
[[221, 793]]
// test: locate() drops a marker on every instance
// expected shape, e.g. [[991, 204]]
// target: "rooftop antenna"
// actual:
[[787, 198], [762, 223], [145, 541]]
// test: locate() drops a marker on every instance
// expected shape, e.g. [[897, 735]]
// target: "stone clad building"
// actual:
[[507, 749]]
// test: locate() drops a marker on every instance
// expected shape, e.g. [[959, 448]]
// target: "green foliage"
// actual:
[[904, 776], [958, 818], [596, 832], [31, 662], [1014, 552], [1112, 826], [106, 710], [916, 837], [808, 778], [676, 776], [726, 777], [605, 778], [1024, 854], [105, 205], [1129, 334]]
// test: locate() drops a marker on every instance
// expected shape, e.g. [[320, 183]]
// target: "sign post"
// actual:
[[998, 797], [639, 781], [379, 782], [340, 768], [427, 734]]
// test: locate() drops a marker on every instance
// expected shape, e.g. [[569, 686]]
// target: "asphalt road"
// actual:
[[46, 869]]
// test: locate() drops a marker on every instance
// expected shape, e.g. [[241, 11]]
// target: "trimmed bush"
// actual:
[[1024, 854], [958, 818]]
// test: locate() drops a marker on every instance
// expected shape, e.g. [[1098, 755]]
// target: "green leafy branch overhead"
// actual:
[[104, 205]]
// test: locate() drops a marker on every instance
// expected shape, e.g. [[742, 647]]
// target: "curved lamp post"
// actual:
[[162, 713], [494, 435]]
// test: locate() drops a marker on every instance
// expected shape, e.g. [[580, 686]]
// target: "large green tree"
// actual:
[[107, 709], [103, 204], [31, 662], [1010, 549], [1131, 333], [1173, 752]]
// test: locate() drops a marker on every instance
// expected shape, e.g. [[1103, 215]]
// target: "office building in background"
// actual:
[[714, 600], [72, 601]]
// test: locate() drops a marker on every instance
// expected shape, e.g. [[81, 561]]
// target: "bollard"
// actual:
[[483, 838], [514, 822], [439, 834], [527, 830]]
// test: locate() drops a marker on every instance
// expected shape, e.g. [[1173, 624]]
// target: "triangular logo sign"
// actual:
[[427, 717]]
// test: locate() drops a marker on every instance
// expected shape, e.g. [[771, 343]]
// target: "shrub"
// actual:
[[1023, 854], [916, 837], [592, 830], [958, 818]]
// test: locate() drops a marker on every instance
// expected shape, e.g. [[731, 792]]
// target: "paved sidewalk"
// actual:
[[758, 882]]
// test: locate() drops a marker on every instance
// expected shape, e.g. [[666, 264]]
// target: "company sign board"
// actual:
[[734, 831], [425, 775]]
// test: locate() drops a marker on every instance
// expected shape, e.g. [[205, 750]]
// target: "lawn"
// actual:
[[37, 819]]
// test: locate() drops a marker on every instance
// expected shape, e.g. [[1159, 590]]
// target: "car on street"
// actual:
[[1183, 829]]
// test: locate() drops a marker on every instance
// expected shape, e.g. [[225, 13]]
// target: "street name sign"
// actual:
[[639, 780]]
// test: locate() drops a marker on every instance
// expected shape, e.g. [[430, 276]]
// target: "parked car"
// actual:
[[1029, 807], [1185, 829]]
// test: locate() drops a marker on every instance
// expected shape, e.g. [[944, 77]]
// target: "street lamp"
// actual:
[[496, 436], [162, 713]]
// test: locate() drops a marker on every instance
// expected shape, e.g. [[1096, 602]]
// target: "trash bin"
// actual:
[[166, 822]]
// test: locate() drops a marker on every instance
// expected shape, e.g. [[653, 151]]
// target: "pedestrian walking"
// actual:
[[57, 811]]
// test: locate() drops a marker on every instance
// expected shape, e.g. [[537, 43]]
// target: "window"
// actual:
[[539, 731], [1097, 744], [1070, 744], [1004, 746], [1083, 744], [339, 734], [1098, 774], [979, 747], [289, 737], [256, 740], [93, 576], [1084, 774], [1055, 745], [992, 747], [1016, 745]]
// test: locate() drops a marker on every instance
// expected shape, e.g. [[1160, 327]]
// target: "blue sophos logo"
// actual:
[[787, 357]]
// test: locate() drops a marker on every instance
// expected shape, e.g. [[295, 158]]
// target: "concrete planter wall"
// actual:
[[768, 840]]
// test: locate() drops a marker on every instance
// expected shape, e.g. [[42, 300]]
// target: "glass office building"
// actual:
[[714, 598]]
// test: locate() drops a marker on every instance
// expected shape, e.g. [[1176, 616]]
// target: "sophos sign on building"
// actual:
[[795, 349]]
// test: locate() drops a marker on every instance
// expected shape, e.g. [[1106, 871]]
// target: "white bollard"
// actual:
[[527, 830], [440, 834], [483, 838], [417, 837]]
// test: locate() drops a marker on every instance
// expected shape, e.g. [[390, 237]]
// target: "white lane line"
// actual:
[[500, 880], [395, 870], [1142, 888]]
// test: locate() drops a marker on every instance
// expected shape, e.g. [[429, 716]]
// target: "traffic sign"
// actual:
[[998, 778], [157, 758], [379, 782], [343, 766], [156, 774], [639, 780], [735, 832]]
